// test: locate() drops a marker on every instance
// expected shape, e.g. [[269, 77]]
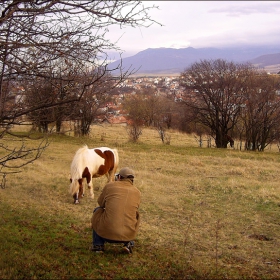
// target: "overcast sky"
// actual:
[[204, 24]]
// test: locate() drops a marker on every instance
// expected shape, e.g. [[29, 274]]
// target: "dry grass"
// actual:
[[206, 213]]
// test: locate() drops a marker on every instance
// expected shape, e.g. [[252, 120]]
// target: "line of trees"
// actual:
[[232, 98], [221, 99]]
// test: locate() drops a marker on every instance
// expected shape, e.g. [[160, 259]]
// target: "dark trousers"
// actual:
[[98, 240]]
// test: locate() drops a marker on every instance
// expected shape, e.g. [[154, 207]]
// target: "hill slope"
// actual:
[[266, 60], [206, 213], [169, 60]]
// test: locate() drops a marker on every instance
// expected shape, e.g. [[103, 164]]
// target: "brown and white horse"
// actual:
[[91, 163]]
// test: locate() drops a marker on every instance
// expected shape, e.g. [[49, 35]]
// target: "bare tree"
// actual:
[[261, 113], [35, 93], [150, 103], [214, 94], [164, 115], [56, 41], [134, 106], [134, 131], [92, 104], [147, 107]]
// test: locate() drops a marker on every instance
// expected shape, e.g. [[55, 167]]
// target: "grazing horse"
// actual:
[[91, 163], [230, 140]]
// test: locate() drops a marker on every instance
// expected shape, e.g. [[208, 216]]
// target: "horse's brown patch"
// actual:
[[86, 174], [109, 161]]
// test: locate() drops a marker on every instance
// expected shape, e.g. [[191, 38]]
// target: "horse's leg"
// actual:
[[90, 185], [110, 175], [76, 197], [82, 189], [87, 175], [79, 192]]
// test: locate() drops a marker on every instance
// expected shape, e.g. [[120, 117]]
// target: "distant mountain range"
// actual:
[[163, 61]]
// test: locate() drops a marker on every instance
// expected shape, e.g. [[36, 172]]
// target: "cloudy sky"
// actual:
[[204, 24]]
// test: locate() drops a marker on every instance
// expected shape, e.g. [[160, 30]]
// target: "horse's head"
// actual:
[[74, 186]]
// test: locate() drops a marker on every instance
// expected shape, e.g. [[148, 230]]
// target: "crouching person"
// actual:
[[117, 219]]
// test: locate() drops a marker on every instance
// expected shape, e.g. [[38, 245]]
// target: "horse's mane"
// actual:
[[75, 172], [82, 150]]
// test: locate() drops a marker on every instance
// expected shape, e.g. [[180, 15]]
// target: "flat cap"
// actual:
[[126, 171]]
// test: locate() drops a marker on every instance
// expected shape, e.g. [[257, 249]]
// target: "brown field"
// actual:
[[206, 213]]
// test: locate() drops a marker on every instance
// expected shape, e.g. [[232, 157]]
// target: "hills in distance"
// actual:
[[169, 61]]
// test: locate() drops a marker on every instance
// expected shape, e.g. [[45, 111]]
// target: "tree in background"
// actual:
[[214, 95], [164, 117], [92, 104], [35, 94], [68, 37], [261, 113], [135, 107], [147, 107]]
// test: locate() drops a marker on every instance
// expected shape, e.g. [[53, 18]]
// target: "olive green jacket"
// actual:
[[118, 219]]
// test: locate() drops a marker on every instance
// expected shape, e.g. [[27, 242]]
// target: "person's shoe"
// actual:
[[127, 247], [98, 248]]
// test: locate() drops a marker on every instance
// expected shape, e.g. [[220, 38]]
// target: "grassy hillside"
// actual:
[[206, 213]]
